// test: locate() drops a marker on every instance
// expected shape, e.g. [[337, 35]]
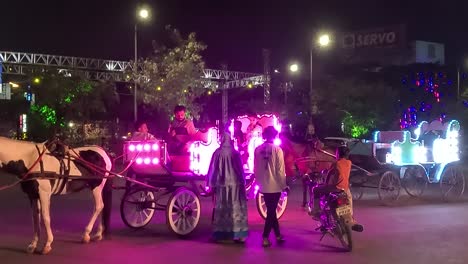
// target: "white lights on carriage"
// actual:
[[421, 154], [139, 147], [256, 190], [139, 161], [131, 148], [155, 147], [147, 161], [155, 161], [147, 147], [417, 132], [396, 155], [277, 142]]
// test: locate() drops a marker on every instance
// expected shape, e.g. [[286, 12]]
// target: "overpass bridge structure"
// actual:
[[20, 63]]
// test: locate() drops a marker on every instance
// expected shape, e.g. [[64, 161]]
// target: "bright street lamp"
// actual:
[[143, 13], [323, 40], [294, 67]]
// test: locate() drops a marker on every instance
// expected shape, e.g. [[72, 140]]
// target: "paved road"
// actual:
[[414, 231]]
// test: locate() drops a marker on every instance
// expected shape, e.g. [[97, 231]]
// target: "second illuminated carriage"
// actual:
[[252, 128], [166, 182], [431, 155]]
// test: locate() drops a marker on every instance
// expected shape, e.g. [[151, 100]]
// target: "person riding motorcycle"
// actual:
[[338, 180]]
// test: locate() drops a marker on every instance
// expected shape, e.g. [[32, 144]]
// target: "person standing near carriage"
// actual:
[[269, 170], [226, 181]]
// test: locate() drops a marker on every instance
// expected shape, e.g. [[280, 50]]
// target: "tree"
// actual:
[[60, 99], [360, 105], [173, 74]]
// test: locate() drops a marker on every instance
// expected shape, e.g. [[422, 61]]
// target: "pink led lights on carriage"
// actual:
[[151, 157], [254, 138]]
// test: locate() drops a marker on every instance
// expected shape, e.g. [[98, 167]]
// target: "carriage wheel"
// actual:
[[261, 206], [137, 208], [249, 182], [415, 181], [183, 211], [389, 187], [356, 191], [452, 183], [129, 184]]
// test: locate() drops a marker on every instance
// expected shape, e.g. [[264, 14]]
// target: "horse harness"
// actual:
[[62, 155]]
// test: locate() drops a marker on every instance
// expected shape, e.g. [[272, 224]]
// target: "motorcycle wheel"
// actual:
[[343, 232]]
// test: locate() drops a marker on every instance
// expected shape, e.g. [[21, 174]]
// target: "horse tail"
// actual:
[[107, 200], [107, 195]]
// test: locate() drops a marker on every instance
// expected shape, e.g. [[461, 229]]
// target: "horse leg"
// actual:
[[98, 206], [44, 196], [106, 212], [36, 216]]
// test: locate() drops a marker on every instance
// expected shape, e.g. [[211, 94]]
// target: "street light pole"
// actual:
[[458, 84], [311, 82], [323, 41], [135, 105]]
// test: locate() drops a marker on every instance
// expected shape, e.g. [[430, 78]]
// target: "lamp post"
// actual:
[[143, 14], [323, 41]]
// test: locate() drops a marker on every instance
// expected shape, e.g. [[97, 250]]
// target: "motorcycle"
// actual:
[[335, 218], [335, 212]]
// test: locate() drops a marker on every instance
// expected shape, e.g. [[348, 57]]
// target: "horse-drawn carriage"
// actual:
[[431, 155], [157, 175]]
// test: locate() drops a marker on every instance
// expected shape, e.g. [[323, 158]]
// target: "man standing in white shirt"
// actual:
[[270, 173]]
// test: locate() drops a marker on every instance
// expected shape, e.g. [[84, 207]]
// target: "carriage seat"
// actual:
[[181, 161]]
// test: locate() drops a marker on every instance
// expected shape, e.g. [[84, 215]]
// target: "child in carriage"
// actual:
[[142, 132]]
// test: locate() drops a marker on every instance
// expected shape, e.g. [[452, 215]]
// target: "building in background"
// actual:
[[387, 46]]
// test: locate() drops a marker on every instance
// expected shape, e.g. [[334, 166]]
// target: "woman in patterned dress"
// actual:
[[226, 181]]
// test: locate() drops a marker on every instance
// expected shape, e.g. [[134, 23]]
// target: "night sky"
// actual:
[[235, 31]]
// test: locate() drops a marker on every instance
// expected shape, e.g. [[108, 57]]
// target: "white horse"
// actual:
[[49, 175]]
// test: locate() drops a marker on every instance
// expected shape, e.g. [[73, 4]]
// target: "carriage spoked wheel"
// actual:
[[183, 211], [280, 209], [389, 187], [452, 183], [357, 191], [415, 181], [137, 208], [249, 182]]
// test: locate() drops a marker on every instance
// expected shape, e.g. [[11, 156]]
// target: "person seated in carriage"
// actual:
[[239, 136], [142, 132], [254, 128], [180, 131]]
